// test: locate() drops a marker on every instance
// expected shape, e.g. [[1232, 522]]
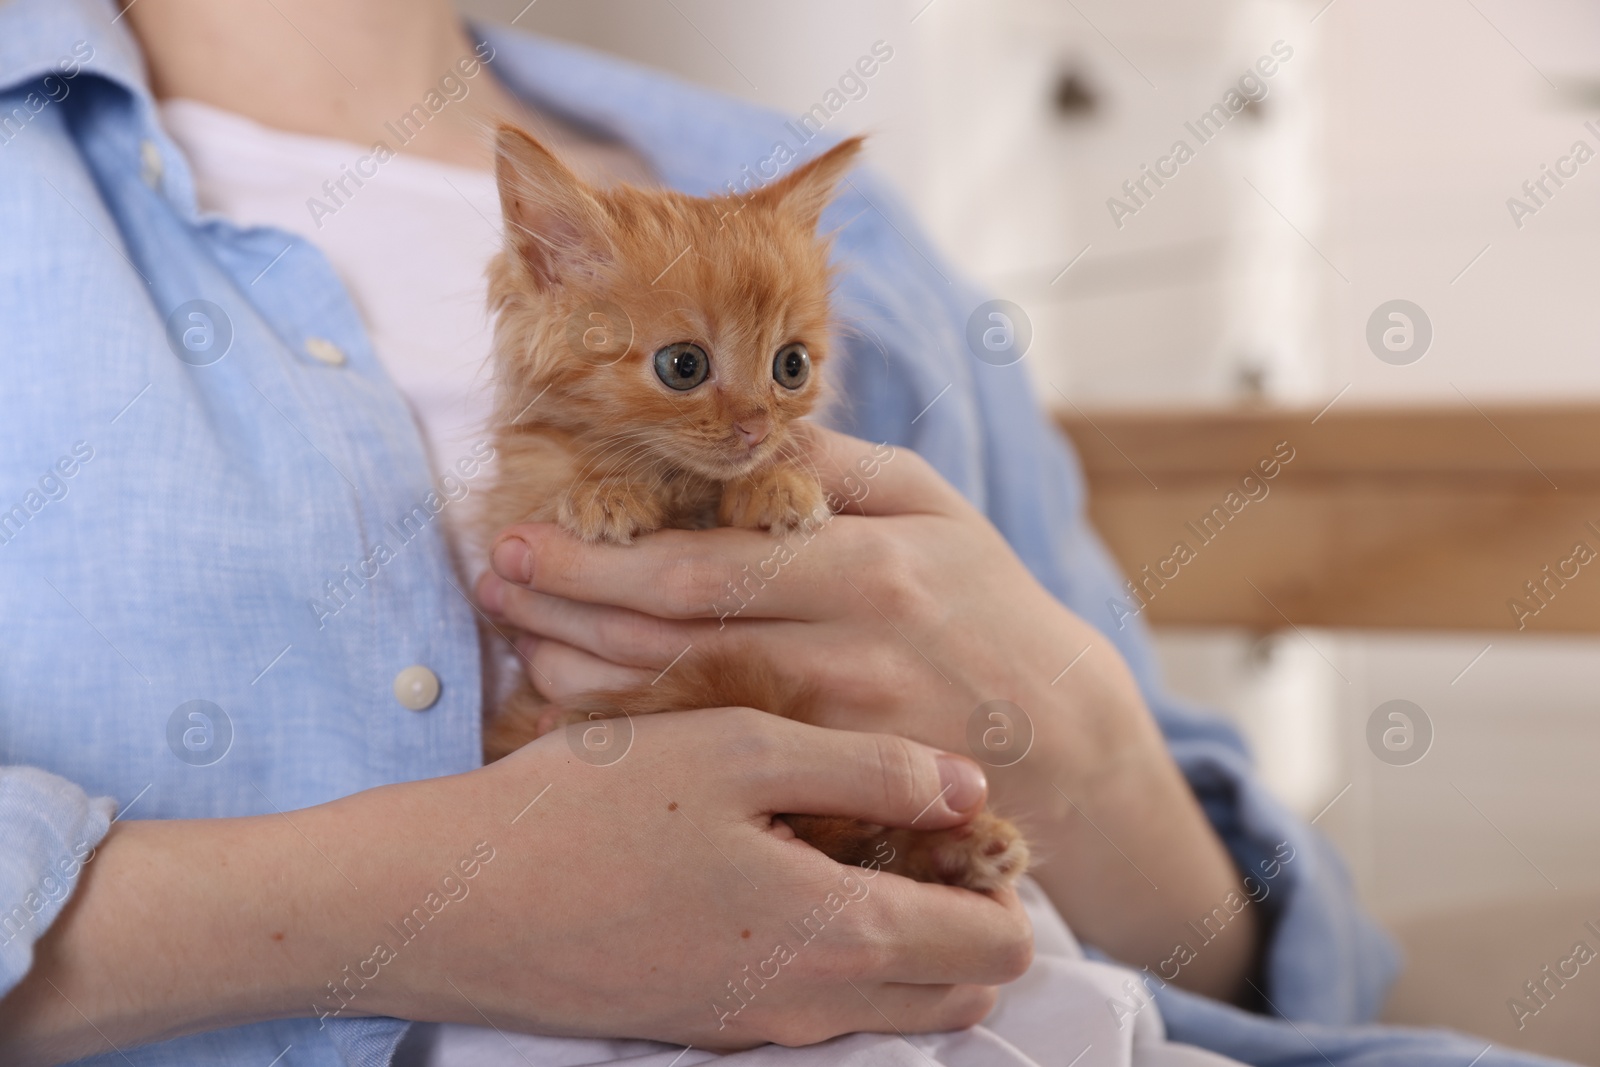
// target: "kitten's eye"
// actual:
[[791, 366], [683, 365]]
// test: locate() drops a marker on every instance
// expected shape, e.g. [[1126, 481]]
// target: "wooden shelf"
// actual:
[[1403, 517]]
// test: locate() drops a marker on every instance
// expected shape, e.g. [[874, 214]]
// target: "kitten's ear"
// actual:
[[554, 225], [810, 188]]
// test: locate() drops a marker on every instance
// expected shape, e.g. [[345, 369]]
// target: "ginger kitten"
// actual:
[[652, 352]]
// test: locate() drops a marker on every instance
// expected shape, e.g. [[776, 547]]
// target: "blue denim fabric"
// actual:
[[209, 502]]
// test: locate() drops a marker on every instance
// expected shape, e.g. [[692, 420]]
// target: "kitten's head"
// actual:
[[668, 329]]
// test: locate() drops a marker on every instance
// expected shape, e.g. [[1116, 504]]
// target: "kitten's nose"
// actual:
[[753, 430]]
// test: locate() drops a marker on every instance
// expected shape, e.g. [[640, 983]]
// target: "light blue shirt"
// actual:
[[175, 490]]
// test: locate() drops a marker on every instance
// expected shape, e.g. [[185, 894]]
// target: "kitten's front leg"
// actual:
[[610, 509], [774, 498]]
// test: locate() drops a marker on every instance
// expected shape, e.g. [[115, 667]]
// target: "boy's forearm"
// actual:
[[180, 926]]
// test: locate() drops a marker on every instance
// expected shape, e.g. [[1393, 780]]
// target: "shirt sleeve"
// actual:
[[49, 829], [1325, 960], [913, 376]]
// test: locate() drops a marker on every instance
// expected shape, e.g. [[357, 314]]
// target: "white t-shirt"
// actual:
[[411, 246]]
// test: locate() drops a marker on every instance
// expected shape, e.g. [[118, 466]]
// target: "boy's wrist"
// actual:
[[414, 852]]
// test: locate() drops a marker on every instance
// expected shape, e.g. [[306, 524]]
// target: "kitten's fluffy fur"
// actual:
[[591, 285]]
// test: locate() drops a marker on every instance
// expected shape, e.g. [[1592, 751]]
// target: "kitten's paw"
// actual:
[[776, 499], [610, 511], [985, 854]]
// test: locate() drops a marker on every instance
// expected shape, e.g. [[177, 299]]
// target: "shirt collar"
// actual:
[[696, 140], [37, 35]]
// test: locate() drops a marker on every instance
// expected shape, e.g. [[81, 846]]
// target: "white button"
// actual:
[[150, 166], [325, 350], [416, 688]]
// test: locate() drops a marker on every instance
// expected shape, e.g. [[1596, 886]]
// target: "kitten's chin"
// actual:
[[745, 463], [722, 462], [733, 469]]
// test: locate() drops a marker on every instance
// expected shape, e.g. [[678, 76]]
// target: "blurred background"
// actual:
[[1190, 323]]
